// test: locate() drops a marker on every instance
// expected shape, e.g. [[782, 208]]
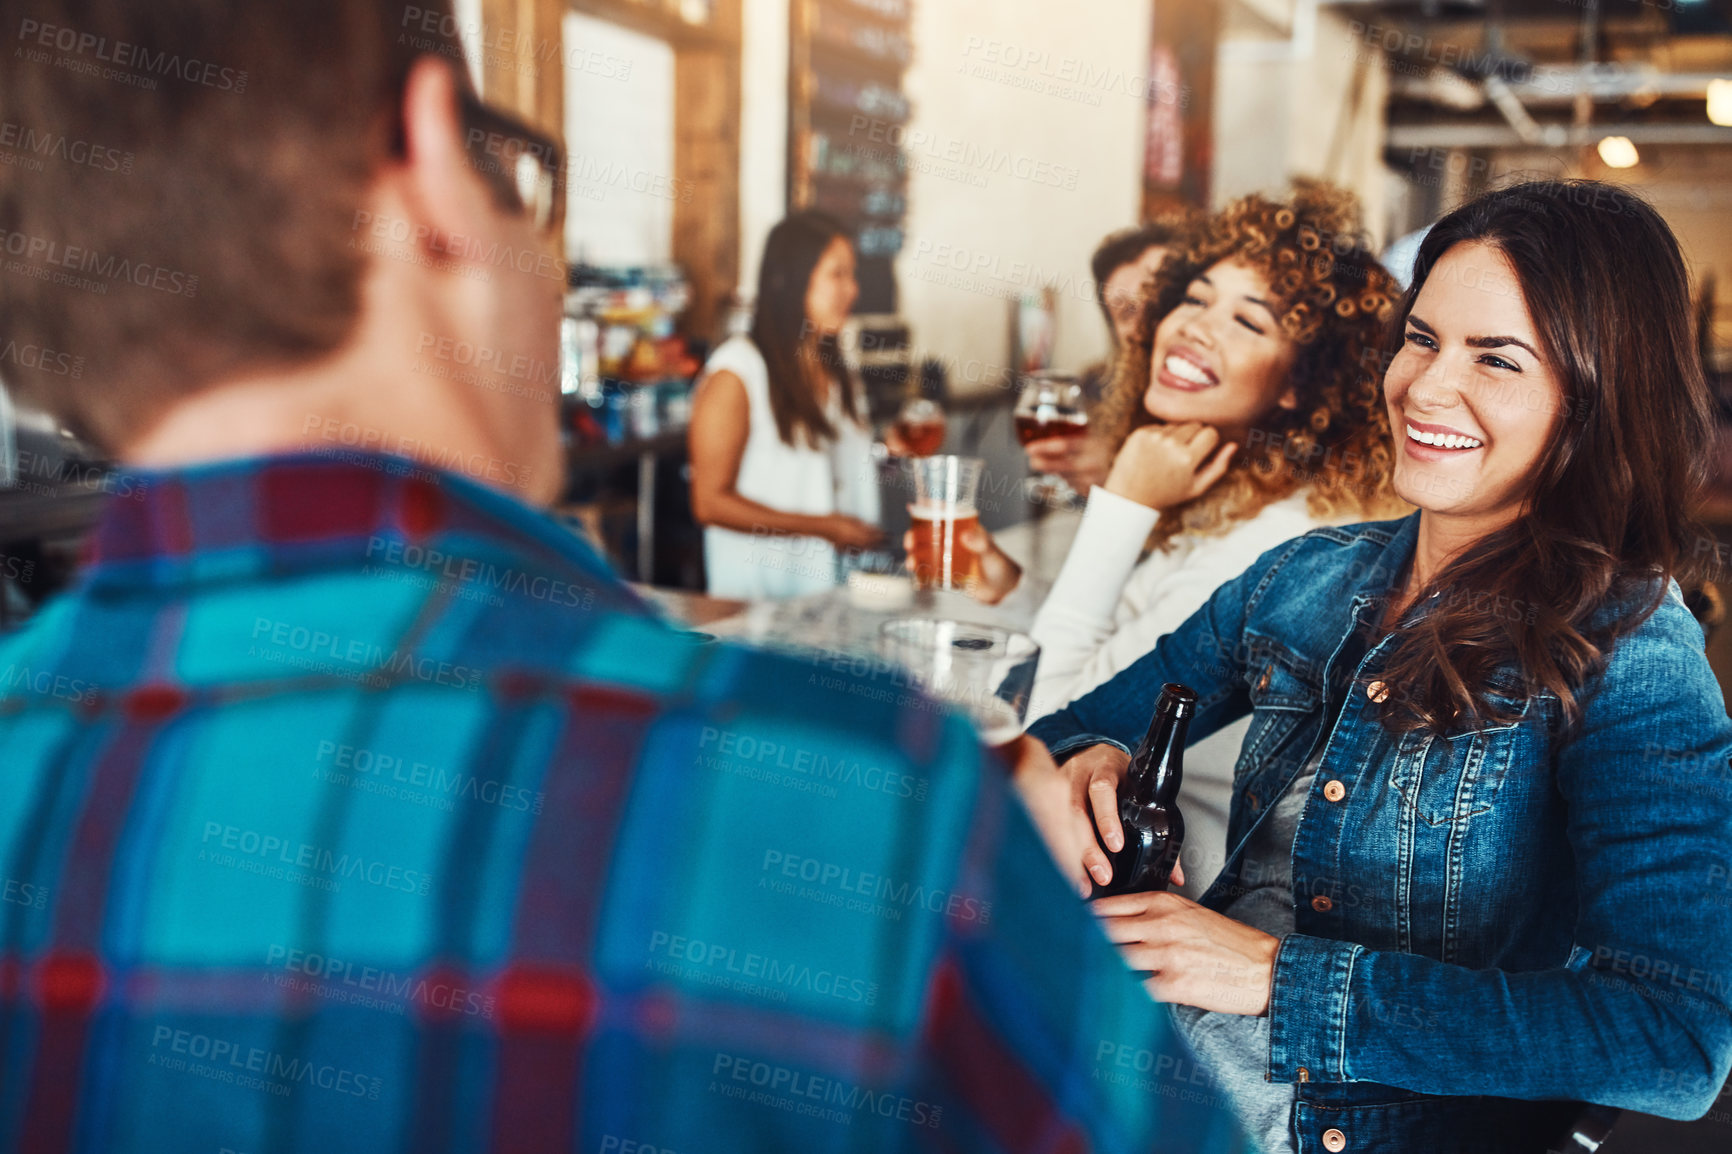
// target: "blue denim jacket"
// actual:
[[1481, 917]]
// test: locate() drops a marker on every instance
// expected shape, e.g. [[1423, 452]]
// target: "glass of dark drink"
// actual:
[[988, 672], [945, 489], [920, 424], [1050, 405]]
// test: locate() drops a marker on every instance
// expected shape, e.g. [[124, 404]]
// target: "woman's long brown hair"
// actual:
[[792, 351], [1607, 520]]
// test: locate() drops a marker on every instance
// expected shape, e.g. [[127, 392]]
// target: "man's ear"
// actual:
[[443, 190]]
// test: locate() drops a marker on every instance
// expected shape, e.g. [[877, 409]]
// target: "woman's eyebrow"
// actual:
[[1477, 342], [1500, 342]]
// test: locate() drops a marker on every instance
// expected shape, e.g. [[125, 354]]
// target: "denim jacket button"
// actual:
[[1334, 791], [1334, 1141], [1322, 904], [1378, 692]]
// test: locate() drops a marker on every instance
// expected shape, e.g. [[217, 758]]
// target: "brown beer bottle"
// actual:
[[1149, 800]]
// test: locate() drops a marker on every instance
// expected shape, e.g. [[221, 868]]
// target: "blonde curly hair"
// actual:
[[1336, 303]]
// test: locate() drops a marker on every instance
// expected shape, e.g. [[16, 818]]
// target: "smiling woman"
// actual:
[[1550, 424], [1483, 783]]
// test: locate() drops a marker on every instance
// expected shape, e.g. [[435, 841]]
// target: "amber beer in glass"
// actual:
[[920, 424], [945, 490], [1050, 405]]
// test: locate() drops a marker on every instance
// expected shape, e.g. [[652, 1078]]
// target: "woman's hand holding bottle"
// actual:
[[1086, 799], [1192, 955], [1165, 465]]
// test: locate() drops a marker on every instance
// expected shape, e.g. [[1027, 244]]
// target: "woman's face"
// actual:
[[1123, 292], [830, 293], [1471, 403], [1219, 357]]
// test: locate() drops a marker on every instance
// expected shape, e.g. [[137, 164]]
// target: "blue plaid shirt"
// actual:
[[350, 805]]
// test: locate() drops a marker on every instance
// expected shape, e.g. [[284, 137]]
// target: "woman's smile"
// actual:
[[1185, 370], [1427, 442]]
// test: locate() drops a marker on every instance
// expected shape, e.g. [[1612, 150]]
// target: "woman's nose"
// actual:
[[1199, 330], [1435, 388]]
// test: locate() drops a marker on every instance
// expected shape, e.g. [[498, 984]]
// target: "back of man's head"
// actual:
[[184, 175]]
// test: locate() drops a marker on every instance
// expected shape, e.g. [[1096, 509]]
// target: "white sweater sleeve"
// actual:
[[1077, 618]]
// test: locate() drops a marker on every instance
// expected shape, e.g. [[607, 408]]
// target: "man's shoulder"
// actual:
[[349, 637]]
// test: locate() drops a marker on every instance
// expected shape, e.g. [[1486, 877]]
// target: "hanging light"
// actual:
[[1720, 102], [1618, 152]]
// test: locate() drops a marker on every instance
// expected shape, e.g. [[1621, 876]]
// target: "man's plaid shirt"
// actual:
[[352, 806]]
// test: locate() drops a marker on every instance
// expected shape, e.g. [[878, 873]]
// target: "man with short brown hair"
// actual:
[[350, 802]]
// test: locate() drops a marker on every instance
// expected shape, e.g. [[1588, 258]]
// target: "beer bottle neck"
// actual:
[[1158, 763]]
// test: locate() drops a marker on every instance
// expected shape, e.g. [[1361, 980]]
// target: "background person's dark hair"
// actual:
[[791, 347], [1127, 246], [245, 175], [1608, 516]]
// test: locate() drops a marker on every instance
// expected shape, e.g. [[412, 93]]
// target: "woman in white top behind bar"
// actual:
[[1247, 413], [782, 472]]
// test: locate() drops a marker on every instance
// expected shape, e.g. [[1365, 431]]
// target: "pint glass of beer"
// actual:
[[945, 489]]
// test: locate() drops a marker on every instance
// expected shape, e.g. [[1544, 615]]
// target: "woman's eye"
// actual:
[[1420, 339], [1500, 363], [1192, 299], [1249, 325]]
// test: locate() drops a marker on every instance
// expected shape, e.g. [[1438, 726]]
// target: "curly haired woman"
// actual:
[[1247, 412]]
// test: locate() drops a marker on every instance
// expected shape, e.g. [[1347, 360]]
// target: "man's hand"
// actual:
[[1092, 800], [1045, 792]]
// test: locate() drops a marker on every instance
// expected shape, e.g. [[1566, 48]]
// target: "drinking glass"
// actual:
[[945, 490], [988, 672], [920, 424], [1050, 405]]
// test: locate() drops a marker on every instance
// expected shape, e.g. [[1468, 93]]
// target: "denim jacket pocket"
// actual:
[[1450, 778], [1285, 693]]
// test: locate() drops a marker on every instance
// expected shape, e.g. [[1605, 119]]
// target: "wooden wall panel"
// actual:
[[706, 240], [707, 167], [523, 60]]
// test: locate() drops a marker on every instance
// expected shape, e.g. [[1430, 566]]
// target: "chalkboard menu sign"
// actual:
[[846, 120]]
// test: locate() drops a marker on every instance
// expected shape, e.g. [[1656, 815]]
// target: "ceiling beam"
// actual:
[[1481, 135]]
